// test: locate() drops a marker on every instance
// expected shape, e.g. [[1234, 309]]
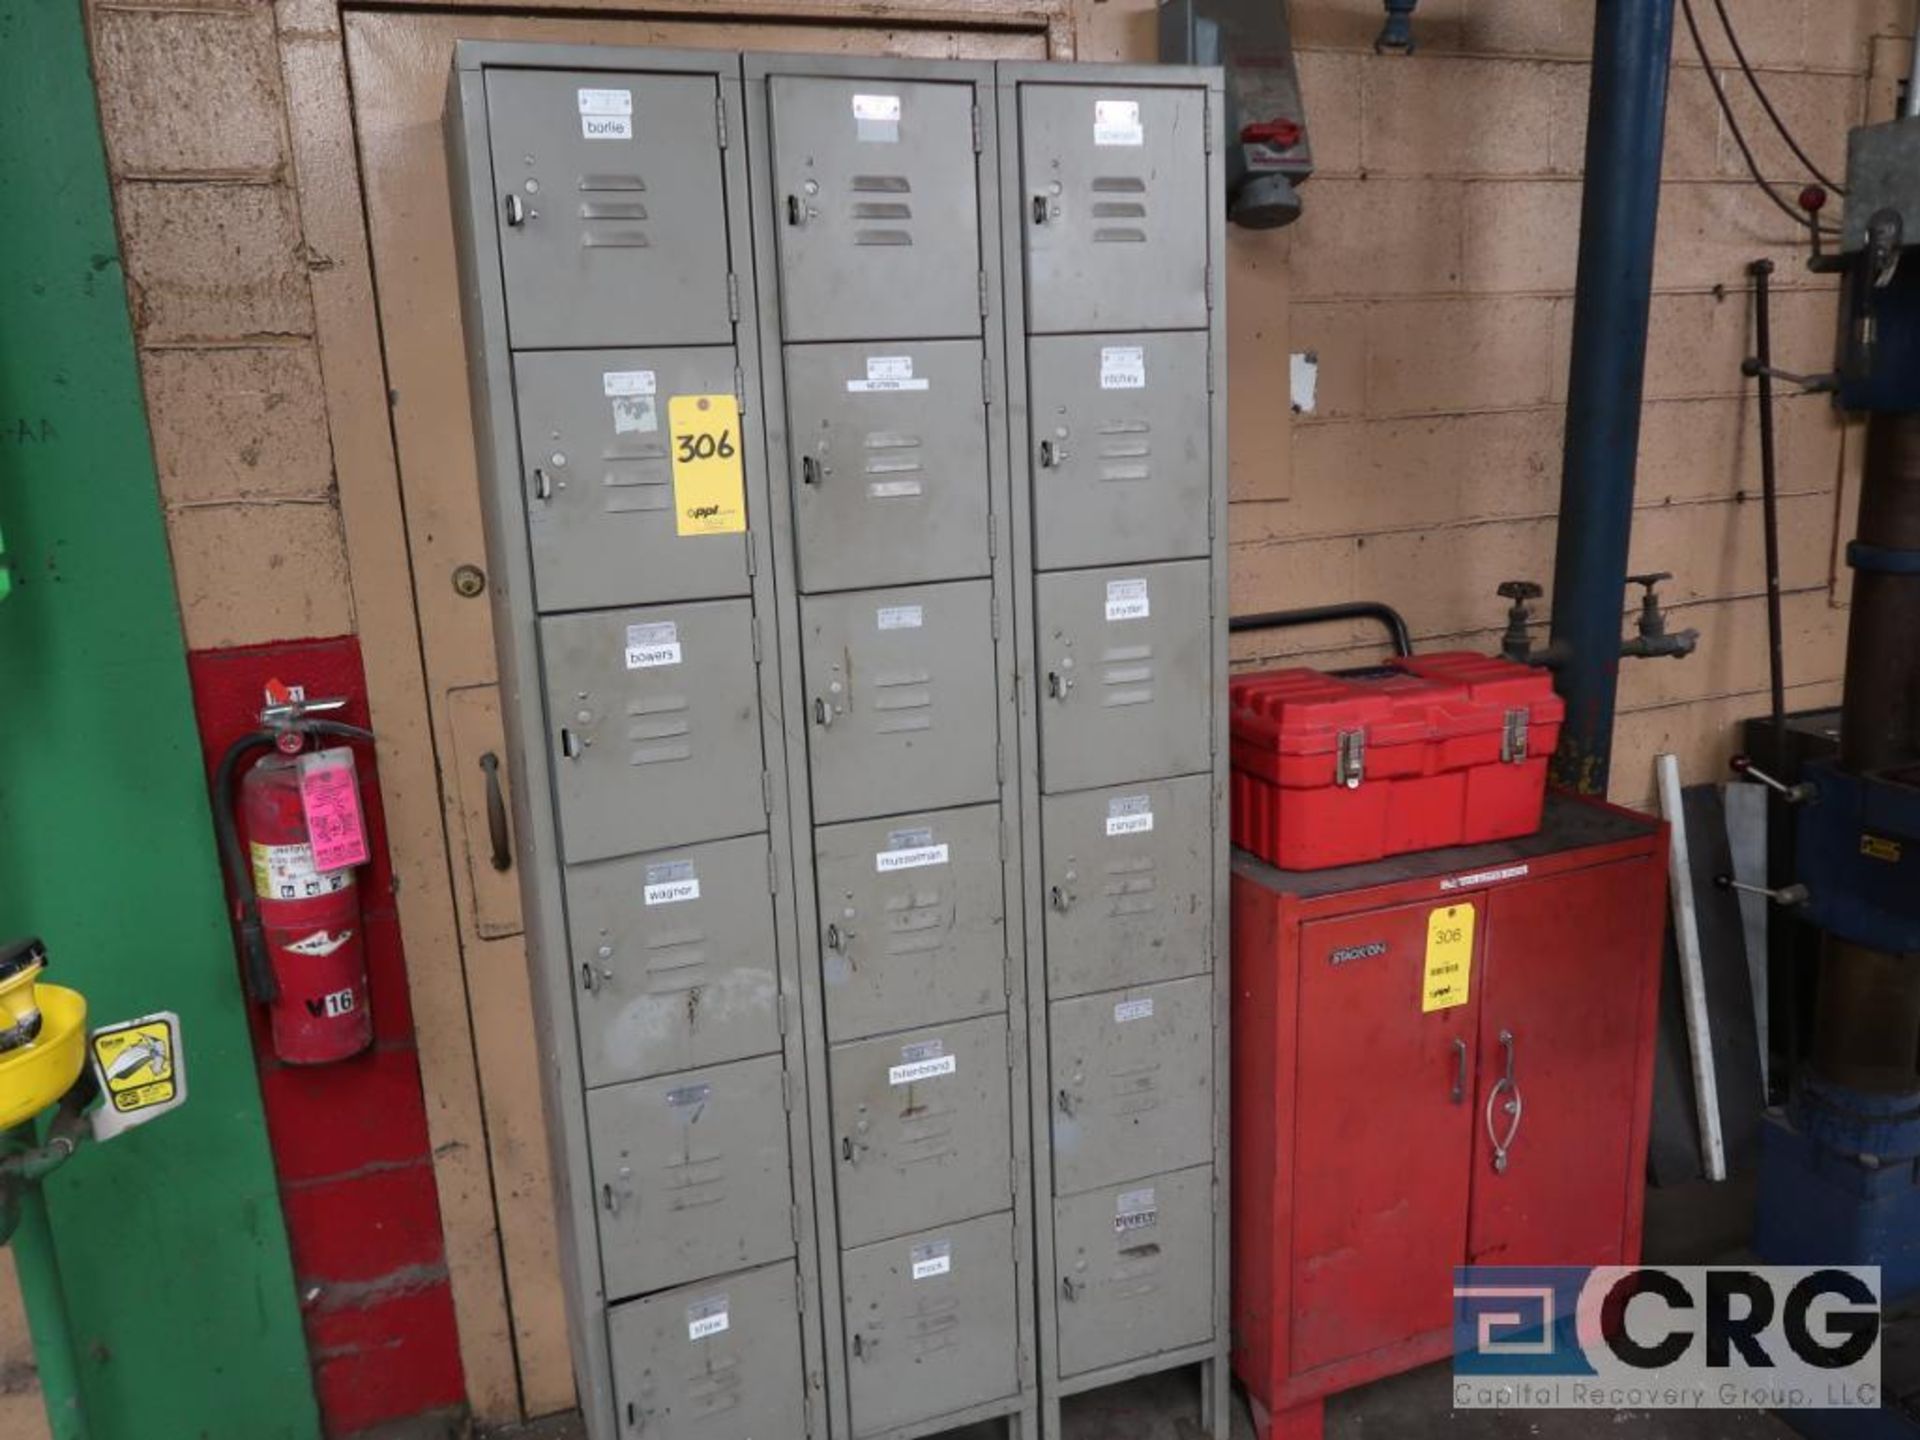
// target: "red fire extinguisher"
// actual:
[[301, 935]]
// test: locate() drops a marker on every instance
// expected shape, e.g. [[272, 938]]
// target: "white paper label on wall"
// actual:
[[886, 373], [922, 1060], [1127, 1010], [909, 858], [1117, 122], [1123, 367], [876, 118], [657, 643], [935, 1257], [1127, 600], [707, 1317], [670, 882], [900, 617], [1135, 1210], [1129, 815]]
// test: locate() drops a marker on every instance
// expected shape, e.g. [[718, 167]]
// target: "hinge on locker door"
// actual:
[[976, 130], [1206, 284], [773, 888], [983, 292], [1206, 119], [720, 118], [740, 389], [755, 631], [793, 1220], [780, 1013], [993, 618], [753, 565], [786, 1090], [993, 542], [1210, 369], [766, 791], [999, 761], [733, 297], [986, 389]]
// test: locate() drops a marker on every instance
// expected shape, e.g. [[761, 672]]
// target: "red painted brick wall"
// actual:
[[350, 1140]]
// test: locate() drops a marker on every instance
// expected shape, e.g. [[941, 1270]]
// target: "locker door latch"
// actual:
[[1058, 684], [1511, 1108], [516, 209]]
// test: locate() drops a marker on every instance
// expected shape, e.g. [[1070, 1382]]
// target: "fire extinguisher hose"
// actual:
[[262, 983]]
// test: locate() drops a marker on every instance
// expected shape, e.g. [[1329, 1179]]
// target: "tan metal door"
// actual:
[[398, 62]]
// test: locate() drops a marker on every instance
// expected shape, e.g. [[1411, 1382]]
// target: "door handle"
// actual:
[[1069, 1288], [571, 745], [516, 209], [1039, 209], [497, 834], [542, 484], [1460, 1071], [1065, 1101], [1049, 455], [610, 1198], [1058, 685], [822, 713], [797, 210], [1512, 1108], [809, 470], [1060, 899]]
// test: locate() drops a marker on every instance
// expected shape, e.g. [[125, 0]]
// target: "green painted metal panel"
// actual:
[[170, 1239]]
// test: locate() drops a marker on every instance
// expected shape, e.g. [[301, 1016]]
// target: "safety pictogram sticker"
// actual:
[[137, 1062]]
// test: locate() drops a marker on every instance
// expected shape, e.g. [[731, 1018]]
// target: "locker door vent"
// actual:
[[1108, 211], [608, 224], [900, 212]]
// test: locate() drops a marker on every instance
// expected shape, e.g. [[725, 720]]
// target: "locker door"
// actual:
[[717, 1360], [673, 957], [656, 730], [1132, 1083], [690, 1174], [613, 216], [932, 1321], [1126, 660], [912, 920], [1115, 191], [889, 461], [598, 478], [922, 1130], [1136, 1269], [1122, 441], [900, 697], [1559, 981], [874, 190], [1383, 1111], [1129, 884]]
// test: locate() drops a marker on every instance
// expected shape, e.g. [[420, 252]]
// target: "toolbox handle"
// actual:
[[1379, 610]]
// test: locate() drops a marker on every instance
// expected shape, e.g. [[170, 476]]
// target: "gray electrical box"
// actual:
[[852, 469]]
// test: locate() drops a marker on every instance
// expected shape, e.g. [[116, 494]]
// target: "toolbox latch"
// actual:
[[1350, 759], [1513, 736]]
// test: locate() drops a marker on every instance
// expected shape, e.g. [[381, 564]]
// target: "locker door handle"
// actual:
[[1058, 685], [1049, 455], [1065, 1102], [1512, 1109], [797, 210], [542, 484], [836, 941], [1459, 1071], [571, 745], [516, 211], [610, 1198], [822, 714], [1039, 209], [1069, 1289], [809, 470], [1060, 899], [862, 1347], [498, 838]]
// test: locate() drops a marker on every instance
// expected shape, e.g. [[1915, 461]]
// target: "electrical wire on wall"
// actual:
[[1794, 213]]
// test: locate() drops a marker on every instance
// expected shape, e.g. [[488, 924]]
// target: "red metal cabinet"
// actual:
[[1370, 1085]]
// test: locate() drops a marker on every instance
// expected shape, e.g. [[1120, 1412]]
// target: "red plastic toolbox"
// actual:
[[1424, 751]]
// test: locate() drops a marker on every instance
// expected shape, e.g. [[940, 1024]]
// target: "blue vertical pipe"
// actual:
[[1626, 124]]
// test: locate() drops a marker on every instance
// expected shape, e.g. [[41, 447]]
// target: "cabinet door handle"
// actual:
[[498, 837], [1459, 1071], [809, 470], [1512, 1108], [516, 209]]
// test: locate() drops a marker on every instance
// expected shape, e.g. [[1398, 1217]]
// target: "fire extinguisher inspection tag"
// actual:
[[1449, 967], [330, 796]]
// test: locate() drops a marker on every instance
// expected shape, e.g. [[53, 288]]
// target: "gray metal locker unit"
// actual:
[[876, 217], [601, 211], [1113, 246]]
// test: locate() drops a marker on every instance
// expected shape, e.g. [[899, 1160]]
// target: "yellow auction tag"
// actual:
[[709, 489], [1449, 958]]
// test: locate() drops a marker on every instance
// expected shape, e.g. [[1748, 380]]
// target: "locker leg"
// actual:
[[1306, 1421], [1216, 1399]]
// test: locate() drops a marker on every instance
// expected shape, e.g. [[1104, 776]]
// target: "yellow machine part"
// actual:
[[35, 1076]]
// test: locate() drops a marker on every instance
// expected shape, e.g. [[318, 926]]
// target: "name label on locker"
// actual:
[[935, 1257], [1117, 122], [1133, 1010], [1135, 1210], [924, 1060], [671, 882], [1127, 600], [1123, 367], [900, 617], [606, 114], [909, 857], [626, 382], [1129, 815], [876, 118], [707, 1317], [887, 373], [654, 643]]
